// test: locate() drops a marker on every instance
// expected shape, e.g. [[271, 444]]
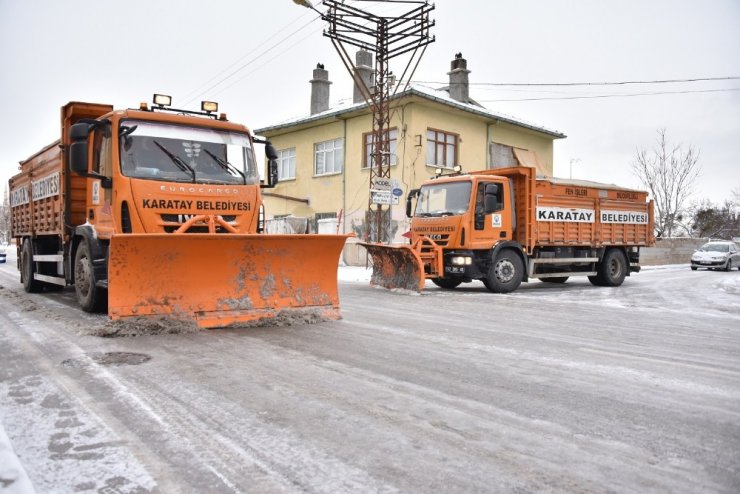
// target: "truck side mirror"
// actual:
[[270, 151], [78, 149], [413, 193], [272, 164], [490, 201], [272, 173]]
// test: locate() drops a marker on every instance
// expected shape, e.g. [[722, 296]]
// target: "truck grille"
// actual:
[[171, 222], [439, 239]]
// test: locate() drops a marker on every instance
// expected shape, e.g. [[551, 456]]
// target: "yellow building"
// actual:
[[324, 158]]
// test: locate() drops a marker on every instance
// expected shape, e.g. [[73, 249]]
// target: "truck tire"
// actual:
[[612, 270], [555, 279], [28, 268], [505, 273], [89, 296], [446, 283]]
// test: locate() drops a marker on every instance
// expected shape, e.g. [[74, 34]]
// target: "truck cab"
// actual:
[[155, 172], [459, 218]]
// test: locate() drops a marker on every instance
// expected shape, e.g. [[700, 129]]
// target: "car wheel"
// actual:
[[693, 268]]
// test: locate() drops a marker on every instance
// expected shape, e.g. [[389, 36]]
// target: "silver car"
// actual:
[[718, 254]]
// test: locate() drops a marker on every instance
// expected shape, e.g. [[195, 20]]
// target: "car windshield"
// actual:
[[178, 153], [443, 199], [715, 248]]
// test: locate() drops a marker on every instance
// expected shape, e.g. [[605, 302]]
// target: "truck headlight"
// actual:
[[461, 261]]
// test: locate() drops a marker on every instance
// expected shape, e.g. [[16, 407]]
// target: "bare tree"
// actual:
[[669, 173], [716, 220]]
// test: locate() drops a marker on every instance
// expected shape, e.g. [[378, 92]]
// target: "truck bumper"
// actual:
[[464, 264]]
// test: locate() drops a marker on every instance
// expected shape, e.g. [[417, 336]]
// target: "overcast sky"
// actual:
[[256, 57]]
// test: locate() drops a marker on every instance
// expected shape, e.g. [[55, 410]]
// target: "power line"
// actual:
[[219, 91], [617, 83], [245, 65], [190, 96], [624, 95], [193, 95]]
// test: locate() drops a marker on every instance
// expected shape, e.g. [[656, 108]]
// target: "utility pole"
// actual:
[[388, 37]]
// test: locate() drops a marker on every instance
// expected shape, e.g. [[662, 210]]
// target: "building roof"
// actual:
[[441, 96]]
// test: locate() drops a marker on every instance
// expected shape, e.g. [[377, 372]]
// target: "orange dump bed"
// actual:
[[561, 212]]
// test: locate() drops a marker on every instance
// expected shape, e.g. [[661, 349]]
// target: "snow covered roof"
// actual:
[[441, 96]]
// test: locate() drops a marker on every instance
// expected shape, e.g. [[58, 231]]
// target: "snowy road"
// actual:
[[557, 388]]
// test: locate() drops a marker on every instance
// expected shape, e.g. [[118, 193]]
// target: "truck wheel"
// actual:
[[28, 268], [613, 268], [447, 283], [555, 279], [595, 281], [89, 296], [505, 273]]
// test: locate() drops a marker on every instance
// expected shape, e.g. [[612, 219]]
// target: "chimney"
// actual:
[[459, 79], [363, 72], [319, 90]]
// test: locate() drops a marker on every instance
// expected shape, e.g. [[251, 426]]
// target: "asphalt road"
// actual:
[[555, 388]]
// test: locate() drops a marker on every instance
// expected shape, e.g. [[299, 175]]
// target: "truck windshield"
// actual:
[[443, 199], [158, 151]]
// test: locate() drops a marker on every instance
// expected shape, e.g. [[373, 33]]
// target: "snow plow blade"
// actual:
[[396, 267], [222, 280]]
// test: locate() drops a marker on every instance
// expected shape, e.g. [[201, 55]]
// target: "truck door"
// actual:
[[99, 200], [490, 219]]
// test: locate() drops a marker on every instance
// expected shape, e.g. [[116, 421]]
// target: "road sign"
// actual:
[[397, 191], [382, 197], [382, 184]]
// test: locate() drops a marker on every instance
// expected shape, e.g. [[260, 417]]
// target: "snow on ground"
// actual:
[[716, 292], [13, 477], [354, 274]]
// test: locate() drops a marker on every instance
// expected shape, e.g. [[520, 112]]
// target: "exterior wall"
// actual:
[[324, 193], [348, 192], [670, 251], [510, 135]]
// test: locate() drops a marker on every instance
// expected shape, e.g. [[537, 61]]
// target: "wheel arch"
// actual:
[[516, 247], [98, 251]]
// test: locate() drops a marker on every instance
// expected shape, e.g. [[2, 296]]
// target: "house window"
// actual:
[[367, 141], [286, 164], [329, 157], [502, 156], [441, 148]]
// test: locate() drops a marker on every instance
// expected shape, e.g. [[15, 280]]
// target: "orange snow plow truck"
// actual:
[[158, 212], [504, 226]]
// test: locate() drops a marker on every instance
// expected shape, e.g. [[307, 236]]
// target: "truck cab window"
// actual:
[[444, 199], [178, 153]]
